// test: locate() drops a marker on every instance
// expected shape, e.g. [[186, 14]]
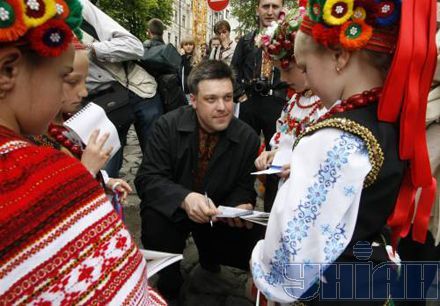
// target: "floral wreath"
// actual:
[[352, 23], [278, 39], [46, 25]]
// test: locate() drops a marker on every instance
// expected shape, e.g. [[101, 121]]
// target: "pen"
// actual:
[[207, 203]]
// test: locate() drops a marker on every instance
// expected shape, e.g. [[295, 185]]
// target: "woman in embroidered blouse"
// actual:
[[61, 242], [349, 175], [301, 109]]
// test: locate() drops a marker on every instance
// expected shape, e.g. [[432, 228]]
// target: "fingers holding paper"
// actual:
[[95, 156], [198, 208], [285, 171], [264, 160]]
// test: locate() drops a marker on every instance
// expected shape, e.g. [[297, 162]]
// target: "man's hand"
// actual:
[[264, 160], [198, 209], [238, 222]]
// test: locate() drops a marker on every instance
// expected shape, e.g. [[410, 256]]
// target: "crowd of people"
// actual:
[[333, 94]]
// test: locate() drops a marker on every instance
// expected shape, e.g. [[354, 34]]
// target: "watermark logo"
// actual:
[[364, 280]]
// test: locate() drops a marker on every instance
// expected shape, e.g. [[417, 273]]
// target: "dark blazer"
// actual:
[[165, 177], [246, 63]]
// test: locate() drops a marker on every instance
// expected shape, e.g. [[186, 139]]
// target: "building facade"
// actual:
[[194, 18]]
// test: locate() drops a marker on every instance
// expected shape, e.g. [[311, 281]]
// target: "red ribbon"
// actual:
[[421, 57], [394, 88]]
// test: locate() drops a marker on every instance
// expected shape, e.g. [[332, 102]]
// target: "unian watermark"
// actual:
[[363, 280]]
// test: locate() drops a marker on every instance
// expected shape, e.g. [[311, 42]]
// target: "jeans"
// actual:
[[146, 111]]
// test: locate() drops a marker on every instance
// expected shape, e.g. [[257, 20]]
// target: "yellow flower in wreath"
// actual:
[[37, 12], [336, 12]]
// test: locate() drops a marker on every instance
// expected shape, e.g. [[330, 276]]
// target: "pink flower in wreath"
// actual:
[[265, 40]]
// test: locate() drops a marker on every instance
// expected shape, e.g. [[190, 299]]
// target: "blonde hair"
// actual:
[[195, 58], [187, 41]]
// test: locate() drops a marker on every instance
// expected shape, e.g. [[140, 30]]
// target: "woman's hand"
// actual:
[[285, 172], [121, 186], [264, 160], [95, 156]]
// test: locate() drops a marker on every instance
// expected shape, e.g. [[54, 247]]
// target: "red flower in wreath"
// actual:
[[12, 25], [326, 36], [51, 38], [355, 35]]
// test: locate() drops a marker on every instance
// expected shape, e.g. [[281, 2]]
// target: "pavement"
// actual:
[[201, 287]]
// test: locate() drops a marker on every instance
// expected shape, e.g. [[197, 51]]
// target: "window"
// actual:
[[175, 42], [184, 21], [227, 14], [169, 37], [175, 16]]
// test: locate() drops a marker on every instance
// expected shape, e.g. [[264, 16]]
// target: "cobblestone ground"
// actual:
[[200, 287]]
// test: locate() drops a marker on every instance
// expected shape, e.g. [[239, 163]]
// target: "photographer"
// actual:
[[258, 88]]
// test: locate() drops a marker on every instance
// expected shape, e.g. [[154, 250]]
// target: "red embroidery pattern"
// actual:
[[60, 240]]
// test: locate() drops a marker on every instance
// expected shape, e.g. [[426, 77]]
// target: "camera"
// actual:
[[261, 86]]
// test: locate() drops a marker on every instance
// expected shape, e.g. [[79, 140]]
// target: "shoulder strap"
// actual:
[[89, 29], [375, 152]]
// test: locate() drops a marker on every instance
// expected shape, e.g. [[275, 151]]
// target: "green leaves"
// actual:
[[245, 12], [135, 14]]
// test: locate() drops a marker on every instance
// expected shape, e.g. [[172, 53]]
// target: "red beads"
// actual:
[[355, 101], [56, 132]]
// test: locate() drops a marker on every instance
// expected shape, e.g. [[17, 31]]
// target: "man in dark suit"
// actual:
[[197, 150]]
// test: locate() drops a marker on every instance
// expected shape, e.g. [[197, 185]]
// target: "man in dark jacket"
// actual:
[[258, 88], [154, 33], [196, 152]]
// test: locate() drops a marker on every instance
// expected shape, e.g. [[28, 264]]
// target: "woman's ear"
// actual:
[[9, 66], [341, 58]]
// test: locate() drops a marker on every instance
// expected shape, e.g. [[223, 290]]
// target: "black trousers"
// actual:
[[261, 113], [216, 245]]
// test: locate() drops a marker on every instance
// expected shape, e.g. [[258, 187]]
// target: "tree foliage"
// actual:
[[135, 14], [245, 12]]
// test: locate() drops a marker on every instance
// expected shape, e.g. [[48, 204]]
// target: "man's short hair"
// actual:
[[208, 70], [258, 2], [222, 25], [156, 27]]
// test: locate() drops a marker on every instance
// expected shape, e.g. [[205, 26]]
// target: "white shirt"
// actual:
[[115, 45]]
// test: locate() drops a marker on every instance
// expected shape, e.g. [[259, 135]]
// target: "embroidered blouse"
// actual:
[[61, 242], [314, 214], [297, 108]]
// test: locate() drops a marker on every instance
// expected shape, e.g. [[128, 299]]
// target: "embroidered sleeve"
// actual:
[[314, 214]]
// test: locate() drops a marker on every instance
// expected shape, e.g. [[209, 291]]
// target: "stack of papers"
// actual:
[[258, 217], [232, 212]]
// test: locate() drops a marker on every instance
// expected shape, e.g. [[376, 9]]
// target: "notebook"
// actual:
[[91, 117], [156, 260]]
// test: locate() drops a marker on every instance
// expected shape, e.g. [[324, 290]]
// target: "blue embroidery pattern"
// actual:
[[335, 241], [308, 211], [349, 191]]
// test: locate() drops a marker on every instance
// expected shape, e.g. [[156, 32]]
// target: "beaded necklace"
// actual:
[[356, 101], [57, 133], [296, 125]]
